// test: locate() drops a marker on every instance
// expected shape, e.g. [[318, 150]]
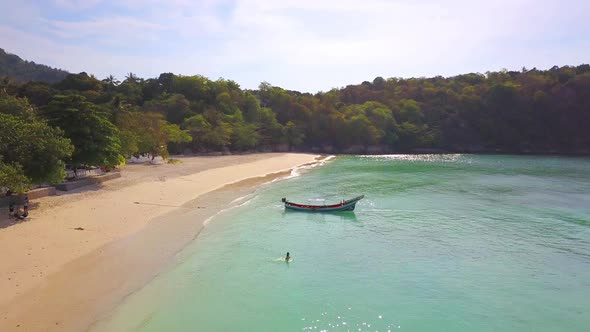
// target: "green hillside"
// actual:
[[19, 70]]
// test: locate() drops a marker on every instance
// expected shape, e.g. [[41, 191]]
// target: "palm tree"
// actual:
[[131, 77], [112, 80]]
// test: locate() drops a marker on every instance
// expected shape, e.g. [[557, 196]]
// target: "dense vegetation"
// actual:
[[83, 120], [18, 70]]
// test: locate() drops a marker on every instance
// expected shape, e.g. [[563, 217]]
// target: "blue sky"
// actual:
[[296, 44]]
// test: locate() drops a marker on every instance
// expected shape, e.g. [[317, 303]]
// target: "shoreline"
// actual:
[[85, 289]]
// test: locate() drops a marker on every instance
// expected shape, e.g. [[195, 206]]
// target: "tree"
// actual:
[[209, 136], [38, 93], [410, 111], [111, 81], [165, 80], [174, 107], [79, 82], [381, 126], [251, 108], [16, 106], [13, 178], [409, 135], [131, 78], [362, 131], [226, 104], [174, 135], [293, 134], [271, 131], [379, 83], [36, 147], [96, 140], [150, 133], [130, 92], [199, 129], [244, 136], [194, 88], [220, 135]]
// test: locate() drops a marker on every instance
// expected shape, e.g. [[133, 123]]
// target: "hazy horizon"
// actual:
[[298, 45]]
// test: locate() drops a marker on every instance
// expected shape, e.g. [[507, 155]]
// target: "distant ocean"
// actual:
[[440, 243]]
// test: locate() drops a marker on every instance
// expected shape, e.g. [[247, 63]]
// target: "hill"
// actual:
[[19, 70]]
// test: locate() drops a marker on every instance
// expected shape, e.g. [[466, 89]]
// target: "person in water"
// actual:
[[288, 257]]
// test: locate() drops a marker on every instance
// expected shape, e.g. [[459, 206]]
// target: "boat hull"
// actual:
[[347, 205]]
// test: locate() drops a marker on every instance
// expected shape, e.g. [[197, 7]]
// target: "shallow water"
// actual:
[[440, 243]]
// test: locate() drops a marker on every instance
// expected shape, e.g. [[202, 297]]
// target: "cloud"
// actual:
[[116, 30], [76, 5], [305, 45]]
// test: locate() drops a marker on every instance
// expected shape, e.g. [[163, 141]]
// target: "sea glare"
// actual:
[[440, 243]]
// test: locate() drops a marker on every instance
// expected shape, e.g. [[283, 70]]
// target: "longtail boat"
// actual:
[[347, 205]]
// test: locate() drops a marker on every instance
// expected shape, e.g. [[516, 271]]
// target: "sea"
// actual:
[[453, 242]]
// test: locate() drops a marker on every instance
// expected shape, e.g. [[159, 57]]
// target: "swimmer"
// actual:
[[288, 257]]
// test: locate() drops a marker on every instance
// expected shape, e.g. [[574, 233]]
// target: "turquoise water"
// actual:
[[440, 243]]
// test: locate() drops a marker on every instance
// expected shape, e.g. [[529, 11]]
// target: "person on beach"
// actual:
[[288, 257], [11, 210], [25, 208]]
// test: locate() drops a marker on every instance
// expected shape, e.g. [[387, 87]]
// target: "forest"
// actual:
[[83, 120]]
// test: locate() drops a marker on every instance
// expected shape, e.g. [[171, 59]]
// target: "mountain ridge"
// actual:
[[16, 69]]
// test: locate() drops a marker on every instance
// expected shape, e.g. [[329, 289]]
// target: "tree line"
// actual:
[[84, 120]]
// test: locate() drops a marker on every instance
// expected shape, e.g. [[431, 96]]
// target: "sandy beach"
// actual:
[[54, 276]]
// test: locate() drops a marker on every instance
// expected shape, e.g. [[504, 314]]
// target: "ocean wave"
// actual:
[[240, 199], [297, 170], [417, 157], [247, 199]]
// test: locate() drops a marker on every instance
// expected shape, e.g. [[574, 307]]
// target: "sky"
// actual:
[[303, 45]]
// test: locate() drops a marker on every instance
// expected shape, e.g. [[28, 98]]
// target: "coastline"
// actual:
[[140, 239]]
